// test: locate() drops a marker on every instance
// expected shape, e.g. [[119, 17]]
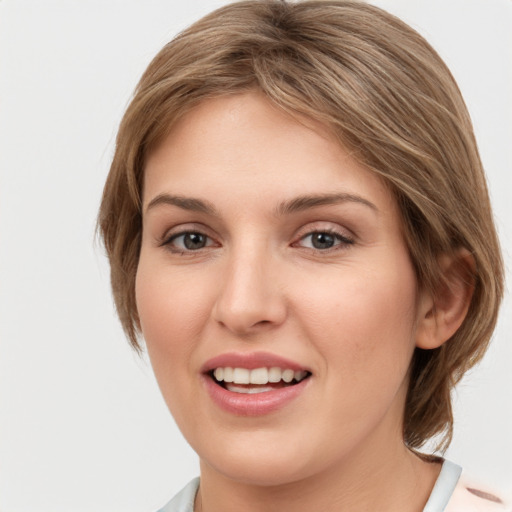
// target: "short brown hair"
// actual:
[[388, 97]]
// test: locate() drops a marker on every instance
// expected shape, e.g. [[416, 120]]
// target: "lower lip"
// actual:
[[245, 404]]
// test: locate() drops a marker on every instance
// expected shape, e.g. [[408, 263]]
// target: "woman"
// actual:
[[298, 224]]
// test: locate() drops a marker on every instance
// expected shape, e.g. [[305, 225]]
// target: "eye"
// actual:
[[324, 240], [188, 241]]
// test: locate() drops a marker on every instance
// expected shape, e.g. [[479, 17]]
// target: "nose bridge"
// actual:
[[249, 295]]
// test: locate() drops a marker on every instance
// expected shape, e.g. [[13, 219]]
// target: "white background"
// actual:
[[82, 423]]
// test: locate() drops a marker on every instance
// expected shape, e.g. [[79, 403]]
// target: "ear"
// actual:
[[441, 314]]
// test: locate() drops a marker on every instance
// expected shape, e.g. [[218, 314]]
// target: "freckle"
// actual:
[[484, 495]]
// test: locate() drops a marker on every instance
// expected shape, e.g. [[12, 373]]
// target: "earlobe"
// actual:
[[442, 313]]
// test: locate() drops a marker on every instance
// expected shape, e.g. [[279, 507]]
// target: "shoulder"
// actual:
[[470, 496], [184, 500]]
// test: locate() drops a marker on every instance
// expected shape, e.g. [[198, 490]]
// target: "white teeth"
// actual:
[[257, 376], [241, 375], [288, 375], [249, 391], [299, 375], [228, 374], [274, 374]]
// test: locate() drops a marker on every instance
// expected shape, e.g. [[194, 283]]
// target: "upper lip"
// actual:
[[251, 361]]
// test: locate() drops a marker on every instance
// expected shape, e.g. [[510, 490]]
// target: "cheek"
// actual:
[[365, 320], [171, 311]]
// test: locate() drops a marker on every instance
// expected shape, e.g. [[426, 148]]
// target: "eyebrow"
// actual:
[[296, 204], [186, 203], [306, 202]]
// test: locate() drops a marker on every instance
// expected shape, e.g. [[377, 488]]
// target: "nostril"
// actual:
[[262, 322]]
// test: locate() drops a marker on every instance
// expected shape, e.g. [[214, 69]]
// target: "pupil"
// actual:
[[194, 241], [323, 240]]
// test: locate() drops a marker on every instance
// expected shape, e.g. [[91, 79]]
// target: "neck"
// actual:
[[391, 481]]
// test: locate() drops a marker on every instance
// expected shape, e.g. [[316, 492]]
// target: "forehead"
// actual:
[[238, 147]]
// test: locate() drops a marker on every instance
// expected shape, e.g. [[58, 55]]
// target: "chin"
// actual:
[[265, 472], [261, 462]]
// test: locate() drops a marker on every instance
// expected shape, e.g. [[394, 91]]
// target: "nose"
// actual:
[[251, 296]]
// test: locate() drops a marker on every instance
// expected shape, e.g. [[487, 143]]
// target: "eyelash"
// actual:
[[342, 241]]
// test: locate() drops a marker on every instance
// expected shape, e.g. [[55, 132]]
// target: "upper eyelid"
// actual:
[[325, 227], [333, 231], [182, 229], [327, 231]]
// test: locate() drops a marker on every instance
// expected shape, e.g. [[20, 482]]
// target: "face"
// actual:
[[275, 293]]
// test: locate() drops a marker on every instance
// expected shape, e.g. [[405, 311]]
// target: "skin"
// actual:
[[352, 313]]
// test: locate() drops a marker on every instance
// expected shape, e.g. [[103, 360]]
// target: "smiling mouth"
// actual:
[[257, 380]]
